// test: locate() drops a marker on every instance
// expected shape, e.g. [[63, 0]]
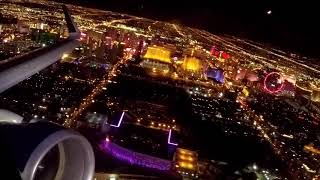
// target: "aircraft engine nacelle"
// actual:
[[45, 151]]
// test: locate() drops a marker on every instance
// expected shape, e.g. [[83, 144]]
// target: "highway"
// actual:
[[74, 113]]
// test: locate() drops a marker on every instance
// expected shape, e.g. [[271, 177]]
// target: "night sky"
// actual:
[[293, 25]]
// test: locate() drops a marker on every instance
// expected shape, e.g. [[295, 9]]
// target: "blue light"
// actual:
[[216, 74]]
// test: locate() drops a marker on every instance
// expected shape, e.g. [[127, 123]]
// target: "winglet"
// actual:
[[74, 32]]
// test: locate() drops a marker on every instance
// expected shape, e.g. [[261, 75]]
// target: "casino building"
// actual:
[[157, 59], [192, 66], [186, 163]]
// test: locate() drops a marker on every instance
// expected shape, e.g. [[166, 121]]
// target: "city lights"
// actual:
[[172, 86]]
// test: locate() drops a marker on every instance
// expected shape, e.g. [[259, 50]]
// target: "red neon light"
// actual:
[[217, 53], [225, 55], [213, 49]]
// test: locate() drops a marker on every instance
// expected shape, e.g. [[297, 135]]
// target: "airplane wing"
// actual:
[[19, 68], [41, 149]]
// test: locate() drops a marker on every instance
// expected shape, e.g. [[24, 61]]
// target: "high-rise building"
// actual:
[[193, 67], [215, 74], [158, 59], [186, 163], [192, 64]]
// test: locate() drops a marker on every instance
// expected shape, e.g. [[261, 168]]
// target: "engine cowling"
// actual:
[[44, 150]]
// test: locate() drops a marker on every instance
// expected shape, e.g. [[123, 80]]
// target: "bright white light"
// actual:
[[112, 177], [64, 56], [279, 81], [269, 12], [255, 167], [41, 26]]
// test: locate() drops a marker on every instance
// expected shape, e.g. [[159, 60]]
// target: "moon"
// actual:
[[269, 12]]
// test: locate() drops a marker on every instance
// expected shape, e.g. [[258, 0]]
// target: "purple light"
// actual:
[[169, 139], [135, 158], [119, 123], [216, 74]]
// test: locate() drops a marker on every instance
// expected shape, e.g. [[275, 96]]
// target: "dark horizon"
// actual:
[[290, 26]]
